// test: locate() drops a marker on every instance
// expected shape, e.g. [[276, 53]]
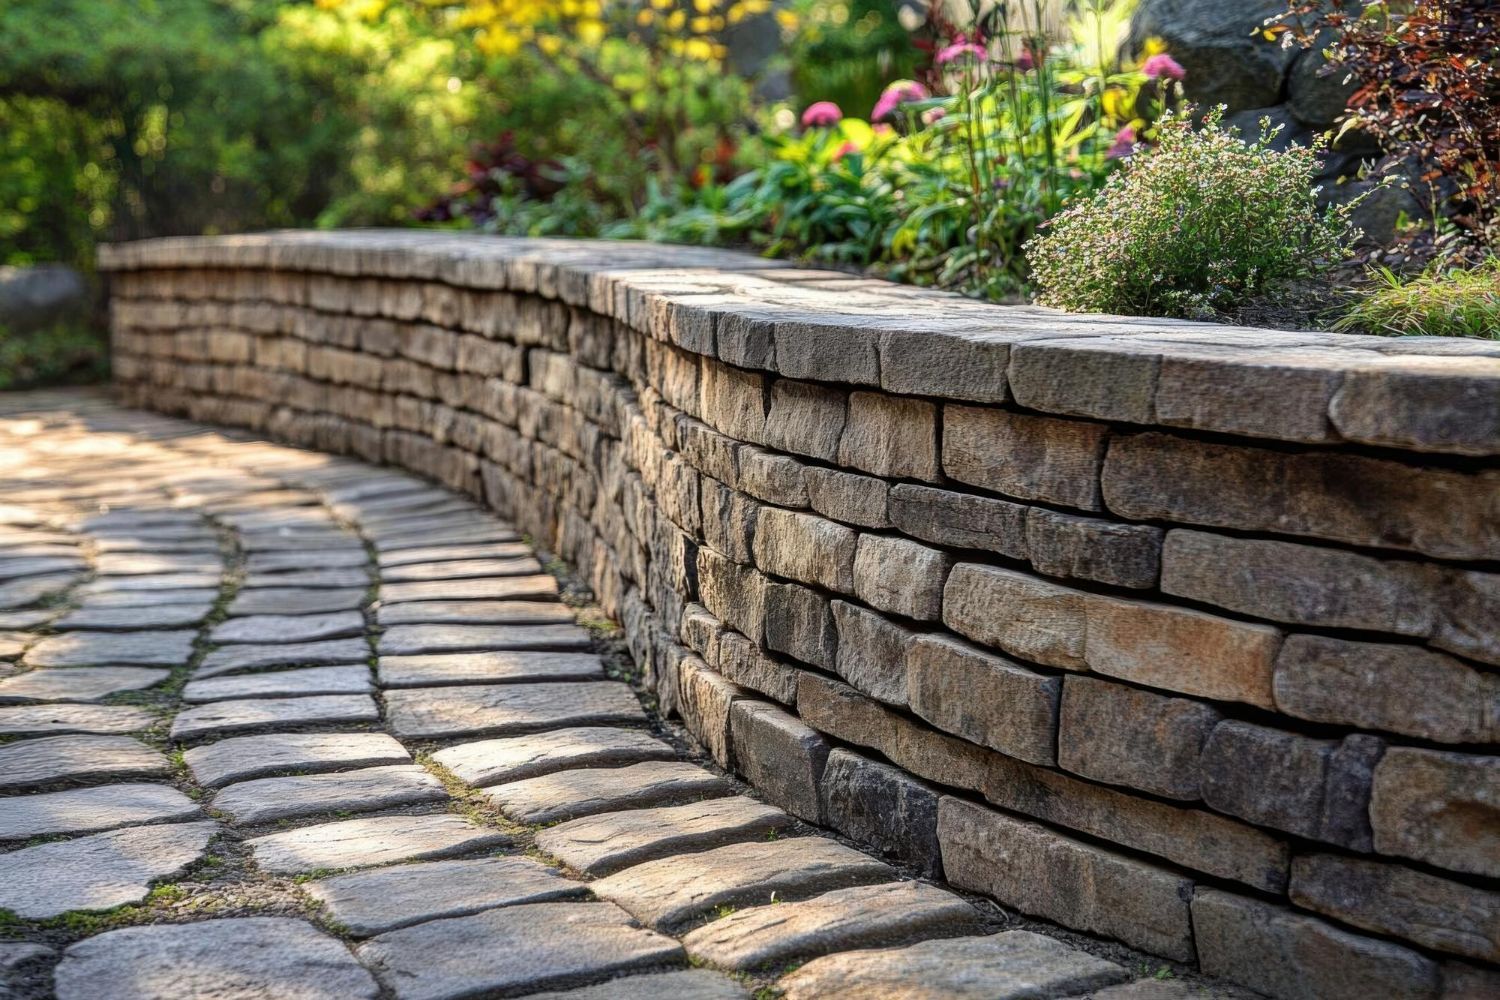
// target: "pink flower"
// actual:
[[933, 115], [957, 51], [1025, 62], [898, 93], [1124, 144], [1161, 65], [845, 150], [821, 115]]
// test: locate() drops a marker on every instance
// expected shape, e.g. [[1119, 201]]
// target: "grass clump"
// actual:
[[1439, 302], [60, 355], [1194, 227]]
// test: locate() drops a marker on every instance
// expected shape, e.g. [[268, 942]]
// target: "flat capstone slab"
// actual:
[[290, 628], [865, 916], [78, 683], [164, 581], [296, 601], [684, 984], [514, 950], [263, 800], [243, 757], [244, 958], [603, 845], [258, 713], [492, 762], [203, 597], [133, 649], [672, 893], [38, 720], [486, 668], [452, 553], [384, 899], [592, 790], [374, 840], [52, 760], [279, 562], [509, 709], [87, 810], [1014, 965], [475, 613], [459, 569], [399, 639], [318, 579], [147, 563], [97, 872], [351, 679], [497, 588], [132, 619], [232, 659]]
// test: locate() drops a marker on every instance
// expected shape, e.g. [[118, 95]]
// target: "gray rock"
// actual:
[[374, 840], [799, 623], [672, 893], [883, 807], [871, 652], [289, 628], [588, 791], [37, 763], [500, 588], [407, 639], [780, 755], [444, 553], [317, 579], [98, 872], [862, 917], [351, 679], [373, 902], [1015, 965], [1226, 59], [112, 585], [300, 654], [983, 698], [1125, 736], [1438, 807], [514, 950], [365, 790], [1317, 93], [475, 613], [603, 845], [244, 757], [37, 720], [86, 810], [248, 958], [509, 709], [19, 593], [492, 762], [296, 601], [259, 713], [203, 597], [685, 984], [32, 298], [78, 684], [108, 564], [901, 576], [459, 569], [134, 618], [83, 649]]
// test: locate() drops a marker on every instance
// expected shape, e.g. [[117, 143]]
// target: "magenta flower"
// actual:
[[1163, 65], [1124, 144], [898, 93], [1025, 62], [957, 51], [845, 150], [821, 115]]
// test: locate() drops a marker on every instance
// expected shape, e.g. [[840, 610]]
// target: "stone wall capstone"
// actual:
[[1184, 635]]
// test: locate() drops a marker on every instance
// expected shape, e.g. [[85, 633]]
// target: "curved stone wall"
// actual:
[[1183, 635]]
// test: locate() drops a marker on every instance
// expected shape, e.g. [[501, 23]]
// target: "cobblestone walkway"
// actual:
[[280, 725]]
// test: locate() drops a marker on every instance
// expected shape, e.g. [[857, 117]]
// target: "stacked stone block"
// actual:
[[1182, 635]]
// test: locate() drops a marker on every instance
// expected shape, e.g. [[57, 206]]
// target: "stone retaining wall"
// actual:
[[1182, 635]]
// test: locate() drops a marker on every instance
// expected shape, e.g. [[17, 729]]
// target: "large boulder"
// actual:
[[1220, 46], [35, 297]]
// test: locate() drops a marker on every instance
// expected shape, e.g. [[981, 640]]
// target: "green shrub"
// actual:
[[61, 355], [1196, 226], [1458, 302]]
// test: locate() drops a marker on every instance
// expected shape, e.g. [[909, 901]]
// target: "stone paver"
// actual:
[[36, 720], [366, 790], [316, 579], [1015, 965], [221, 717], [861, 917], [51, 760], [231, 659], [203, 597], [504, 588], [423, 670], [375, 840], [244, 958], [673, 892], [403, 639], [510, 709], [289, 628], [78, 683], [164, 581], [685, 984], [83, 649], [153, 563], [296, 601], [450, 553], [136, 618], [280, 562], [603, 845], [515, 949], [459, 570], [97, 872], [243, 757], [384, 899], [491, 762], [475, 613], [88, 810], [588, 791], [20, 593], [351, 679]]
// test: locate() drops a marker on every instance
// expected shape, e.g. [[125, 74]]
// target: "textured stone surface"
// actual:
[[296, 601], [384, 899], [289, 628], [1043, 623], [1124, 736], [157, 616], [37, 720], [805, 548], [242, 757], [459, 569], [901, 576], [416, 639], [507, 710], [231, 659], [493, 762], [513, 950], [604, 844], [78, 684], [85, 810], [1023, 456], [490, 666], [871, 652], [474, 613], [364, 790], [1442, 808], [97, 872], [890, 436], [687, 984], [959, 519], [1016, 965], [983, 698], [591, 790], [351, 679], [375, 840], [254, 958], [799, 623], [221, 717], [83, 649], [780, 755], [35, 763], [500, 588], [883, 807], [672, 893]]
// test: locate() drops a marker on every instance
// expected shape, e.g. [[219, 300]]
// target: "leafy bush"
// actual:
[[1198, 225], [1440, 302], [61, 355]]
